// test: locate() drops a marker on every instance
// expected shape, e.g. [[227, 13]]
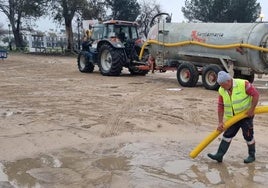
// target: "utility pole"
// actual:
[[78, 31], [9, 39]]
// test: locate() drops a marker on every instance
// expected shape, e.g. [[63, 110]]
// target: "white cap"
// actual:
[[223, 77]]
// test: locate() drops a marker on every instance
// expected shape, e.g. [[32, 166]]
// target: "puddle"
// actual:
[[173, 89], [154, 165], [16, 176], [3, 176], [164, 164], [68, 168], [214, 177], [112, 163], [17, 173], [177, 166], [55, 175]]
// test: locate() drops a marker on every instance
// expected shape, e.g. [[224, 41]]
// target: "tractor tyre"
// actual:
[[83, 63], [110, 60]]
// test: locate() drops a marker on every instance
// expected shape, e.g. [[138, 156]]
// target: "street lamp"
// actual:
[[78, 32], [9, 39]]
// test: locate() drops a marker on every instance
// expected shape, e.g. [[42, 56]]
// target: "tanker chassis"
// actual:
[[204, 49]]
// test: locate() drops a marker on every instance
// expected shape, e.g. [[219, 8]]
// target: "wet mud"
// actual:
[[63, 129], [137, 164]]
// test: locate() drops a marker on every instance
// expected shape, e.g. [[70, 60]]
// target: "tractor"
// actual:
[[114, 44]]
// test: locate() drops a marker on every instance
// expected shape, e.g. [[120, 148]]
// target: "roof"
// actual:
[[120, 22]]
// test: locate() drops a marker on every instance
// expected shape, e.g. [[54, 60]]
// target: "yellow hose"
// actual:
[[227, 124], [183, 43]]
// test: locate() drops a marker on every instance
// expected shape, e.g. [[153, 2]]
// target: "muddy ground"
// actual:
[[62, 128]]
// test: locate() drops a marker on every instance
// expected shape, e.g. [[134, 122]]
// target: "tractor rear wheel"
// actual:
[[111, 60]]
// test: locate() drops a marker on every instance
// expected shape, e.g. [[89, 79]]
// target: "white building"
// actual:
[[39, 41]]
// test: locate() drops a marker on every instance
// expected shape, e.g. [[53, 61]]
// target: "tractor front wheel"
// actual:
[[83, 63]]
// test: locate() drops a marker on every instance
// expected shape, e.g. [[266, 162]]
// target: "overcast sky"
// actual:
[[170, 6]]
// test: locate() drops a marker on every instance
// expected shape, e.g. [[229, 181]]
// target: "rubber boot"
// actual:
[[223, 147], [251, 154]]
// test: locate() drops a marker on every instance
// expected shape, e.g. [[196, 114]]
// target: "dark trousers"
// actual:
[[246, 125]]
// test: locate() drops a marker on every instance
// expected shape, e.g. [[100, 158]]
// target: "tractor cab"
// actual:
[[122, 30]]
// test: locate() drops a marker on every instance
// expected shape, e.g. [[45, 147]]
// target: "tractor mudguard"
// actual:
[[113, 42]]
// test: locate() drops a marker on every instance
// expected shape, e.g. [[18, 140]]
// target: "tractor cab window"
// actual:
[[121, 32], [97, 32], [110, 31], [125, 32], [134, 33]]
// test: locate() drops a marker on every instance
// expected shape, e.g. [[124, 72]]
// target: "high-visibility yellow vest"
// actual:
[[238, 101]]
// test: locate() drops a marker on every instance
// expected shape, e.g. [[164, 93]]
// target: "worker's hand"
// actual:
[[250, 113], [220, 127]]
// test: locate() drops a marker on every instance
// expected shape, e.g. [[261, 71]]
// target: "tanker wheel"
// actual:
[[187, 75], [250, 78], [209, 76], [84, 65], [110, 60]]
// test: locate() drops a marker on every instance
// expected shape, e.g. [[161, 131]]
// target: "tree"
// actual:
[[149, 8], [18, 11], [1, 29], [244, 11], [65, 11], [95, 9], [124, 9], [222, 10]]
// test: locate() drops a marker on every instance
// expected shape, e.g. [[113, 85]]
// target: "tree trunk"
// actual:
[[15, 28], [69, 34], [18, 39]]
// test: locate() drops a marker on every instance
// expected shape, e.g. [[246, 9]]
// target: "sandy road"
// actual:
[[62, 128]]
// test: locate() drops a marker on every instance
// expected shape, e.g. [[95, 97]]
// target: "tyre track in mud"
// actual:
[[124, 111], [153, 92]]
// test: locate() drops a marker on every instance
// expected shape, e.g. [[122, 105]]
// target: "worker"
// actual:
[[235, 96], [87, 38]]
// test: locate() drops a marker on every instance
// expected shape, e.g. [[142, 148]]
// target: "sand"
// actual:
[[63, 128]]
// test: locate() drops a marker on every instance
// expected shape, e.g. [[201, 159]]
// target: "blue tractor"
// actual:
[[114, 44]]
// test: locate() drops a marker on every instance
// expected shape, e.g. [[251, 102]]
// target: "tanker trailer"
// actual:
[[195, 49]]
